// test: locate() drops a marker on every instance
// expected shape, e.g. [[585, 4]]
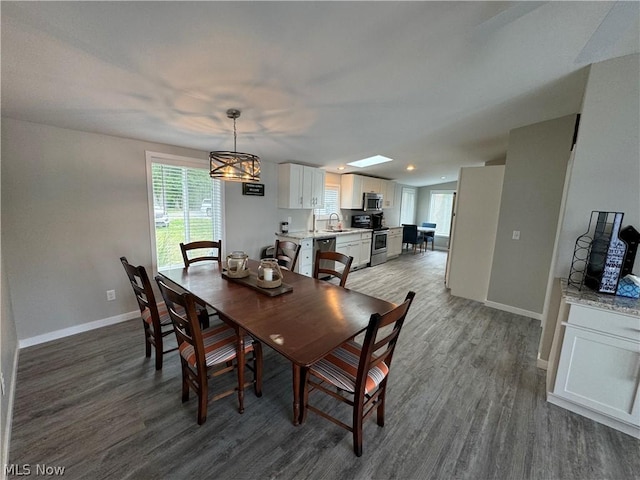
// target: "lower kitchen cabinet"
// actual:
[[304, 265], [394, 242], [356, 245], [350, 245], [597, 373], [365, 249]]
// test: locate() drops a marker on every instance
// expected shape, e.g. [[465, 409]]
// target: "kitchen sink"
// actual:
[[338, 231]]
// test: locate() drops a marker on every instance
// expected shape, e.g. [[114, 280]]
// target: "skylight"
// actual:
[[367, 162]]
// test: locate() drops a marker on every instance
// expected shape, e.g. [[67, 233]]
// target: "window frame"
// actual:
[[440, 192], [176, 161]]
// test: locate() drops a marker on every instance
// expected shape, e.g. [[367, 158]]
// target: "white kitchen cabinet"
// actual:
[[394, 242], [371, 185], [365, 249], [300, 186], [388, 190], [353, 186], [351, 191], [350, 245], [597, 373], [304, 265]]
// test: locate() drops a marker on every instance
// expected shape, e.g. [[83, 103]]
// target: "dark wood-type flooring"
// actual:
[[465, 401]]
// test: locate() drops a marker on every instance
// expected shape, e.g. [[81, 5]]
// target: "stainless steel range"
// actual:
[[373, 221]]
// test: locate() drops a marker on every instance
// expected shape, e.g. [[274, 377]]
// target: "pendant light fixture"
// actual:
[[234, 166]]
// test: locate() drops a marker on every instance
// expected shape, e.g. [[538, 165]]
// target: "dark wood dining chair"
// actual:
[[360, 373], [411, 236], [213, 251], [208, 353], [155, 318], [321, 268], [286, 252], [429, 236]]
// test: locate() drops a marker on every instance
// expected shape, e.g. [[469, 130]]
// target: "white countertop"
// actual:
[[299, 235]]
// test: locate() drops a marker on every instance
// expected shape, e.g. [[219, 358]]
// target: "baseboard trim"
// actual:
[[517, 311], [543, 364], [614, 423], [7, 431], [84, 327]]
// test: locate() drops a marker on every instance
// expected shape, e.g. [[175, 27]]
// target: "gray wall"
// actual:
[[606, 168], [72, 204], [536, 166]]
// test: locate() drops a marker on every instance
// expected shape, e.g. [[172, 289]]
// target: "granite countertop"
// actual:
[[586, 296], [319, 234]]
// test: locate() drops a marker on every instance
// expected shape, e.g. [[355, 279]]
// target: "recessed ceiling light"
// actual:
[[442, 177], [410, 167], [367, 162], [340, 168]]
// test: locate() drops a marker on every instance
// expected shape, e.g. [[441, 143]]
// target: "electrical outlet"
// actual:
[[2, 382], [111, 295], [516, 235]]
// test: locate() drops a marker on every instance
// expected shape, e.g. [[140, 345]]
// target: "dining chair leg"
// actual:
[[203, 400], [147, 344], [241, 363], [380, 407], [357, 428], [185, 385]]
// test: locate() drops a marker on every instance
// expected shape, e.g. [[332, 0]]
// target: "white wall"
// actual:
[[606, 169], [72, 204]]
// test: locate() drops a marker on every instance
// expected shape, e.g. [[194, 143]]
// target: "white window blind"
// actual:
[[331, 201], [191, 202], [440, 210]]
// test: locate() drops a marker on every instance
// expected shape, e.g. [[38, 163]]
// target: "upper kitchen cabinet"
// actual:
[[353, 186], [351, 191], [371, 185], [388, 190], [300, 186]]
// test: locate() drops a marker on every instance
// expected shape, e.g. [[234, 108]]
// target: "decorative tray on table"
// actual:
[[251, 281]]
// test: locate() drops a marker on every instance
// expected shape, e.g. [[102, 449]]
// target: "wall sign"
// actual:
[[255, 189]]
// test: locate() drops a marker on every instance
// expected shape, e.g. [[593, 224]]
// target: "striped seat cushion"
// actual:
[[162, 311], [165, 319], [219, 346], [340, 368]]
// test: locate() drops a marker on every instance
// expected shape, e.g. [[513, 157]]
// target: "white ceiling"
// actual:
[[434, 84]]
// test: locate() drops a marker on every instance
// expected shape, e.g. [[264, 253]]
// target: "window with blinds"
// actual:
[[331, 202], [187, 206]]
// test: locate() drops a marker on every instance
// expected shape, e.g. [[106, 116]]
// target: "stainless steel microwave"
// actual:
[[372, 202]]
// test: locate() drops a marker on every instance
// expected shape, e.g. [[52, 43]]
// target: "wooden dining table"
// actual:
[[303, 325]]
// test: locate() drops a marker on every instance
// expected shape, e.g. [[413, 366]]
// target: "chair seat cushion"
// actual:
[[219, 346], [340, 368], [163, 312]]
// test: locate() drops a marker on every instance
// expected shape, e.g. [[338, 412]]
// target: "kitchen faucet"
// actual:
[[329, 226]]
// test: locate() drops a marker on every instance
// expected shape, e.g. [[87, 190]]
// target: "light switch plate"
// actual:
[[516, 235]]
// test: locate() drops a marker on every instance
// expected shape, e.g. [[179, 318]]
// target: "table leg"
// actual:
[[296, 394], [241, 363]]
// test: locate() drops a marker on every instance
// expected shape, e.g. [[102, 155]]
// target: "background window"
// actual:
[[187, 206], [331, 202], [440, 210]]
